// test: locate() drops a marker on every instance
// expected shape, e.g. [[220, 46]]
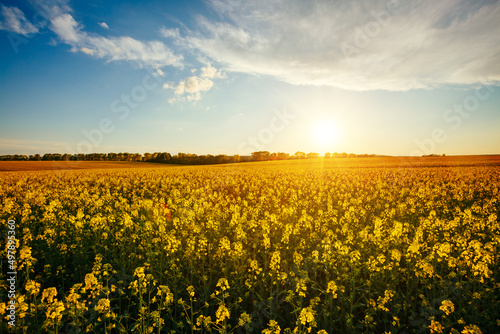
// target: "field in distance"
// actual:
[[385, 162], [388, 162], [12, 166]]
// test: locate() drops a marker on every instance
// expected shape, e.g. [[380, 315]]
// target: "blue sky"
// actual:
[[226, 76]]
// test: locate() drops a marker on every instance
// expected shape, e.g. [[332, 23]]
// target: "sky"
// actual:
[[392, 77]]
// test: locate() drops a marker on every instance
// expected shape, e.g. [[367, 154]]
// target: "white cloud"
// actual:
[[192, 85], [180, 88], [189, 89], [67, 29], [195, 84], [12, 19], [49, 9], [194, 97], [362, 45], [87, 51], [211, 72], [169, 33], [125, 48], [153, 53]]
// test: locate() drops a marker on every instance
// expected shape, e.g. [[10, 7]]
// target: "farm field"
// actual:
[[11, 166], [362, 245], [400, 162]]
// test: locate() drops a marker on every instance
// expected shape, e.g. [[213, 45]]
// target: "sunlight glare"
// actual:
[[324, 135]]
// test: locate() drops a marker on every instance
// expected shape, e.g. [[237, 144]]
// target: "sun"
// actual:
[[324, 135]]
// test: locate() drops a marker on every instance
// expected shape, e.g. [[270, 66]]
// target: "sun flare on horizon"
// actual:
[[325, 135]]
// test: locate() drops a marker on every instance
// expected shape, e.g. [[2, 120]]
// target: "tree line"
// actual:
[[180, 158]]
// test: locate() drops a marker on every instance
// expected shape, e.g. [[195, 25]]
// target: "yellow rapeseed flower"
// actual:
[[472, 329], [33, 287], [222, 313], [49, 294], [54, 311], [436, 327], [332, 288], [447, 307], [306, 315]]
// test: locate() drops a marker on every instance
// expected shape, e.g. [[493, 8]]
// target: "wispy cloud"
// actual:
[[357, 45], [49, 9], [169, 32], [12, 19], [25, 146], [124, 48]]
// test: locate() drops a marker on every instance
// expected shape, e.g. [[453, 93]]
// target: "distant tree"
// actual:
[[163, 157], [312, 155], [210, 159], [183, 158], [192, 159], [221, 159], [261, 156], [283, 156], [299, 155]]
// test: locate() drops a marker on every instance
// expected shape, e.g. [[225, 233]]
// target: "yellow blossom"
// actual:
[[49, 294], [222, 313], [436, 327], [447, 307]]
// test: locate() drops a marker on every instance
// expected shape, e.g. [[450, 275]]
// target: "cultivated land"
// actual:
[[471, 160], [6, 166], [361, 245]]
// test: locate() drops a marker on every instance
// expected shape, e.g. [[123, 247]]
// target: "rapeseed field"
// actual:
[[254, 250]]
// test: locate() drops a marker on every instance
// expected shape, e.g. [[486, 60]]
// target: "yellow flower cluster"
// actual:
[[447, 307]]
